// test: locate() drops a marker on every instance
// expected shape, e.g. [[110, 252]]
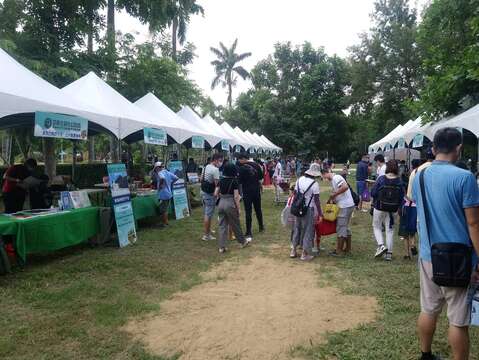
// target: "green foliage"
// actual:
[[448, 38], [298, 100]]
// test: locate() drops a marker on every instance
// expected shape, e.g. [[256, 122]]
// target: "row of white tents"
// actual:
[[413, 133], [22, 92]]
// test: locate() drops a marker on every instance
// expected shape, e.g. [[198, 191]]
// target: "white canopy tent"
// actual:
[[212, 136], [97, 93], [232, 141], [265, 146], [23, 92], [175, 126], [237, 139], [268, 141], [257, 145], [246, 139], [381, 144]]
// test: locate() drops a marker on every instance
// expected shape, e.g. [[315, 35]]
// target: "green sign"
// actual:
[[418, 141], [401, 143], [225, 145], [155, 136], [197, 142], [60, 126]]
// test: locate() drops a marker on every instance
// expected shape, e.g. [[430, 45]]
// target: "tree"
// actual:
[[448, 43], [179, 12], [226, 68]]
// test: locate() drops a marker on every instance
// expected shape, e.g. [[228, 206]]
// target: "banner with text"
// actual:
[[60, 126], [120, 193], [197, 142], [225, 145], [155, 136], [418, 141]]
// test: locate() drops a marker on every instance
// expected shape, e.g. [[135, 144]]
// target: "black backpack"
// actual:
[[298, 206], [389, 198]]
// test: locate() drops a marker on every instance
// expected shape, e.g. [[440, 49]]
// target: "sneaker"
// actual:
[[388, 256], [380, 251], [315, 250], [305, 257], [247, 242], [293, 254], [430, 357], [334, 253], [208, 237], [222, 250]]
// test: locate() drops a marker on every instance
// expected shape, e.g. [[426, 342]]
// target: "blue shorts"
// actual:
[[361, 187], [209, 204]]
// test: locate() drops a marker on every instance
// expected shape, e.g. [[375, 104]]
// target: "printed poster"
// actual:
[[122, 208], [155, 136], [401, 144], [387, 147], [180, 200], [418, 141], [60, 126], [176, 167], [238, 148], [197, 142]]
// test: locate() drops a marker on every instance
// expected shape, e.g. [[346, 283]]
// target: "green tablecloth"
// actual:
[[51, 232], [144, 206]]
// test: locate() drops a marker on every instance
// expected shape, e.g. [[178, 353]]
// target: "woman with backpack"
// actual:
[[388, 194], [306, 208]]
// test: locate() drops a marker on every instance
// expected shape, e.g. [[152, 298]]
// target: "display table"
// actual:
[[145, 206], [51, 232]]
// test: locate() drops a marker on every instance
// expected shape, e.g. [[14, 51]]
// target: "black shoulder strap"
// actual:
[[312, 195], [425, 205]]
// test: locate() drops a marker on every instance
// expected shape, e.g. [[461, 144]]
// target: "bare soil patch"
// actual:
[[260, 309]]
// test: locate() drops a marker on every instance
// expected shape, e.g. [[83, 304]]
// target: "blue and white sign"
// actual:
[[60, 126], [418, 141], [225, 145], [155, 136], [401, 143], [387, 147], [120, 193], [197, 142]]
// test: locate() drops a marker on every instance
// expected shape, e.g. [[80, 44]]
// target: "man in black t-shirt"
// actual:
[[250, 177]]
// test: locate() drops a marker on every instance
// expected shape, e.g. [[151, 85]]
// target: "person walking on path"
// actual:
[[447, 199], [209, 182], [277, 178], [388, 195], [229, 208], [362, 174], [304, 226], [250, 177], [164, 180], [343, 198]]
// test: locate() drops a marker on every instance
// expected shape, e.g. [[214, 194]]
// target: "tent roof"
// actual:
[[101, 96], [212, 136], [268, 141], [265, 145], [175, 126], [249, 144], [22, 91], [257, 144], [237, 139], [225, 135]]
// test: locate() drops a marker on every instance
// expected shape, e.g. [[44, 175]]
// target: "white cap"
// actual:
[[158, 164]]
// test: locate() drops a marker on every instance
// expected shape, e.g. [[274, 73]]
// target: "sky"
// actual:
[[259, 24]]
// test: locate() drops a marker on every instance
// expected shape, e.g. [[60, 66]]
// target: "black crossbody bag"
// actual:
[[451, 262]]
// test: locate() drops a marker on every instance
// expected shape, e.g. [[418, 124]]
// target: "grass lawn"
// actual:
[[73, 304]]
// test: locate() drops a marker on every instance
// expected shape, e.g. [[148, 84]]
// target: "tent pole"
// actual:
[[74, 160]]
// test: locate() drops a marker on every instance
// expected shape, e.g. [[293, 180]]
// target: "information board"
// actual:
[[120, 193], [60, 126], [155, 136], [418, 141], [225, 145], [197, 142]]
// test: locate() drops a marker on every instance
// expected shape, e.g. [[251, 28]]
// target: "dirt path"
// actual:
[[255, 310]]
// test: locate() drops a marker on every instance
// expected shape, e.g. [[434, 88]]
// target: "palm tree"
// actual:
[[179, 12], [226, 67]]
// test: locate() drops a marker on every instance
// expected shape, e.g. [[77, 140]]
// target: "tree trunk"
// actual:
[[90, 34], [173, 38], [111, 41], [50, 158], [230, 94]]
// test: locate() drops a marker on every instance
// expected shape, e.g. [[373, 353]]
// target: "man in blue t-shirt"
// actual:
[[362, 174], [452, 197], [164, 181]]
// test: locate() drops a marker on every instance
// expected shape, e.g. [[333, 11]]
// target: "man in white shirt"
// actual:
[[304, 227], [380, 165], [343, 198]]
